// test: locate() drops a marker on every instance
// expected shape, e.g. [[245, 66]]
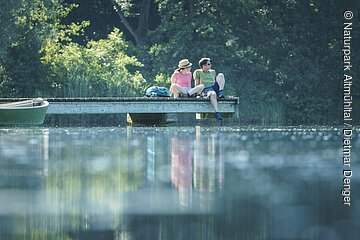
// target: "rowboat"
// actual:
[[28, 112]]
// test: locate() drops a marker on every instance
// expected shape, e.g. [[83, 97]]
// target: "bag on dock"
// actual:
[[156, 91]]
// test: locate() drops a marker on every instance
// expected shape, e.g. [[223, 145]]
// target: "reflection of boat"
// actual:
[[24, 112]]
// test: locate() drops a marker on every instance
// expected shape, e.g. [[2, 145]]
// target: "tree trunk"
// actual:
[[140, 33], [191, 10], [143, 25]]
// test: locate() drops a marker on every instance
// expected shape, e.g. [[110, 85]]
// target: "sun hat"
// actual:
[[184, 63]]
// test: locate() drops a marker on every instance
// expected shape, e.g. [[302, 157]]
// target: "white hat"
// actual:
[[184, 63]]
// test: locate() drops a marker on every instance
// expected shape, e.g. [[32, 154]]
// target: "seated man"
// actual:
[[214, 85]]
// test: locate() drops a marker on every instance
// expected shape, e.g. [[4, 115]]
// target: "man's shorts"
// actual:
[[214, 88]]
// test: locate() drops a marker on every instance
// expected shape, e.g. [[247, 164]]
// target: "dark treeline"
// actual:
[[282, 58]]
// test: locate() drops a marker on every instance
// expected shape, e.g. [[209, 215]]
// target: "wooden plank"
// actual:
[[123, 99], [135, 105]]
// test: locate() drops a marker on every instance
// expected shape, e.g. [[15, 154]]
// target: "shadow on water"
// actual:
[[120, 120], [175, 183]]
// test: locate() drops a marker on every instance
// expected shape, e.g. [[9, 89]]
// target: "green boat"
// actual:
[[29, 112]]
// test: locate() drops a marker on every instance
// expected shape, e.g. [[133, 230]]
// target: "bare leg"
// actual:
[[196, 89], [220, 79], [213, 100], [176, 89], [174, 92]]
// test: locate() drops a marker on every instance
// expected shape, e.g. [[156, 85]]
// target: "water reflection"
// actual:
[[208, 168], [197, 170], [17, 169], [182, 169], [173, 183]]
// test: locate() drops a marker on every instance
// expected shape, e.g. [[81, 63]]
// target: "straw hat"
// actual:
[[184, 64]]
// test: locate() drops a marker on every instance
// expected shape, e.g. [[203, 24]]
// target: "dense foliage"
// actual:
[[100, 68], [282, 58]]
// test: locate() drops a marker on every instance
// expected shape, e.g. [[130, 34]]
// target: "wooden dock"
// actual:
[[136, 105]]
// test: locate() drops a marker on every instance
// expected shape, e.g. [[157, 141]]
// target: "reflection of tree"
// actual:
[[23, 157], [88, 176], [23, 168]]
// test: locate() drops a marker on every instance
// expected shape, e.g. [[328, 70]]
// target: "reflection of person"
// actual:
[[209, 169], [181, 169], [197, 170], [181, 80], [214, 85]]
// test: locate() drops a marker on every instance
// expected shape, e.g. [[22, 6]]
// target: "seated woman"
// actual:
[[181, 81]]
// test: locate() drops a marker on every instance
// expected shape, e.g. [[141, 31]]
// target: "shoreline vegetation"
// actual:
[[282, 59]]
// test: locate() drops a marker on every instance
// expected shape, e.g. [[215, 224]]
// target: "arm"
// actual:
[[196, 78], [197, 81], [173, 78]]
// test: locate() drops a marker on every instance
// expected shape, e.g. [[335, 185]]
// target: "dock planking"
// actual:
[[108, 105]]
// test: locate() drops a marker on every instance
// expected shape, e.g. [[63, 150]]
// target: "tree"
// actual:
[[123, 9], [101, 68], [273, 53], [283, 58], [7, 19], [21, 72]]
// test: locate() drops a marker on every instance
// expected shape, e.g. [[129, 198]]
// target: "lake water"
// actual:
[[176, 183]]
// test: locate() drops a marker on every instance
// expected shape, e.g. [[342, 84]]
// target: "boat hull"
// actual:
[[23, 115]]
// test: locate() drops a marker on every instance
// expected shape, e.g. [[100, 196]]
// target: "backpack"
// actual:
[[156, 91]]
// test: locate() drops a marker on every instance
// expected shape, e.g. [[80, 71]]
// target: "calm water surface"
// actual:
[[176, 183]]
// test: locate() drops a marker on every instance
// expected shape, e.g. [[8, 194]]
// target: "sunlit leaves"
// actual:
[[101, 68]]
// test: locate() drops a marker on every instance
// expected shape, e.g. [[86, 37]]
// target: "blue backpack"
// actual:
[[156, 91]]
